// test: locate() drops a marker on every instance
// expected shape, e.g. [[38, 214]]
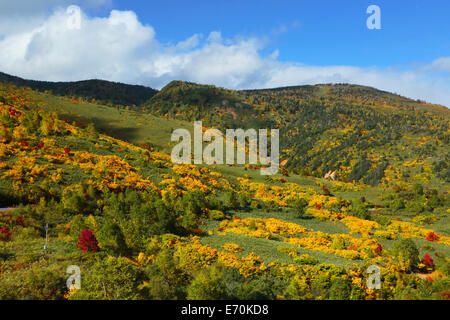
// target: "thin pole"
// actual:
[[46, 238]]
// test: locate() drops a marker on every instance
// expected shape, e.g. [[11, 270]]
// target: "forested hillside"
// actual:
[[106, 92], [358, 132]]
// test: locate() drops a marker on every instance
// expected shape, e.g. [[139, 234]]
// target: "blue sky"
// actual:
[[313, 32], [235, 44]]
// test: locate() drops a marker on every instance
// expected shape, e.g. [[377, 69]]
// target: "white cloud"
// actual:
[[26, 7], [102, 48], [189, 43], [215, 36], [120, 48], [23, 15], [442, 64]]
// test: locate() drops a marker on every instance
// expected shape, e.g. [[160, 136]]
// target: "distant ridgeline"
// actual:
[[359, 133], [106, 92]]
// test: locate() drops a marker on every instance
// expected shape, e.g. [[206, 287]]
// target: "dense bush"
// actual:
[[299, 207], [298, 289], [111, 238], [359, 209], [208, 284], [407, 253], [110, 279], [36, 284], [340, 289]]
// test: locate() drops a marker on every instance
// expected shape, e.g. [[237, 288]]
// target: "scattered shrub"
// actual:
[[306, 259], [340, 289], [216, 215], [87, 241], [407, 253], [299, 207], [383, 220]]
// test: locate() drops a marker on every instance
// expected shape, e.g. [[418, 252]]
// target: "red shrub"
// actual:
[[445, 295], [87, 241], [20, 222], [24, 143], [144, 145], [39, 146], [378, 249], [5, 232], [196, 230], [432, 236], [326, 191], [428, 260]]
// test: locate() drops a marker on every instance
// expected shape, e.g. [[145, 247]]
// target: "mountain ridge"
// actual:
[[141, 94], [108, 92], [358, 132]]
